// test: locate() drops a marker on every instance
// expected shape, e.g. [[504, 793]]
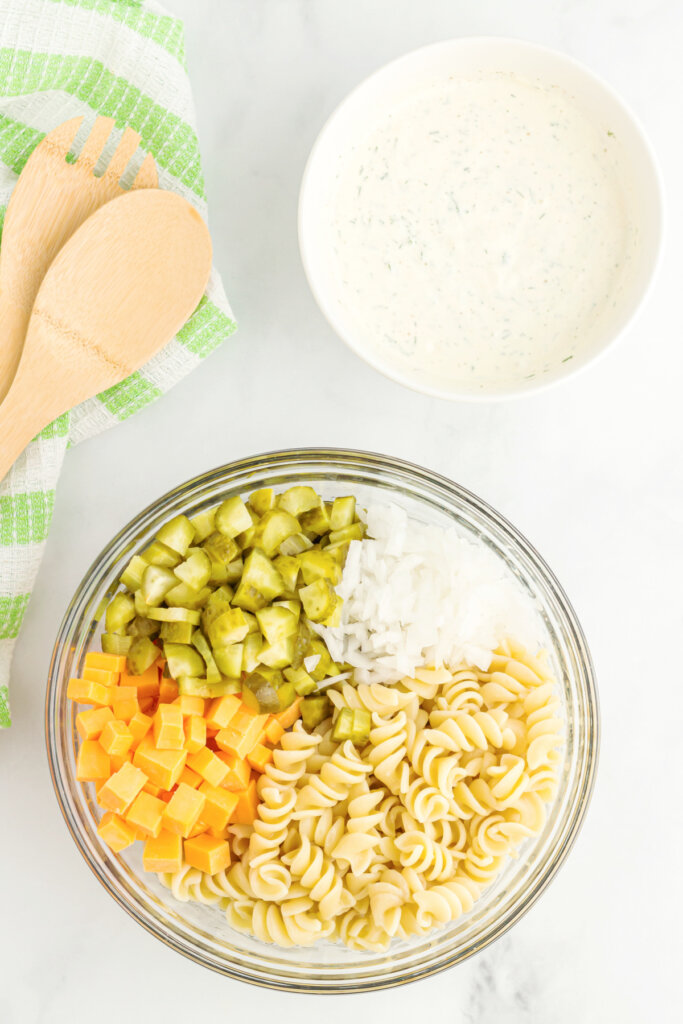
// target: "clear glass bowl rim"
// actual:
[[426, 485]]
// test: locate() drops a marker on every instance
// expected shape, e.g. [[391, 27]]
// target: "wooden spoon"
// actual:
[[121, 287], [50, 200]]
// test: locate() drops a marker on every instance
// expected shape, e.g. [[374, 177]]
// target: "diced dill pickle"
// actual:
[[338, 551], [230, 659], [160, 554], [251, 648], [318, 599], [183, 660], [314, 710], [229, 628], [354, 532], [316, 521], [177, 534], [343, 513], [320, 670], [195, 570], [120, 610], [183, 596], [203, 524], [257, 688], [297, 500], [131, 577], [273, 675], [295, 544], [262, 501], [234, 570], [252, 622], [303, 638], [141, 655], [156, 583], [318, 564], [191, 686], [174, 615], [334, 618], [273, 528], [278, 655], [360, 730], [276, 623], [288, 567], [141, 606], [199, 641], [218, 603], [142, 626], [303, 683], [260, 583], [286, 694], [177, 632], [113, 643], [292, 606], [219, 573], [221, 548], [343, 727], [232, 517]]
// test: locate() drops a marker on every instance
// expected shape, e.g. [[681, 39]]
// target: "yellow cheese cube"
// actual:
[[207, 853], [120, 790], [208, 766], [91, 723], [92, 763], [116, 738], [116, 833], [162, 767], [184, 809], [163, 852], [146, 813], [195, 734], [168, 727]]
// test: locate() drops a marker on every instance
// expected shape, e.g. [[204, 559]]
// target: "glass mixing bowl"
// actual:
[[201, 932]]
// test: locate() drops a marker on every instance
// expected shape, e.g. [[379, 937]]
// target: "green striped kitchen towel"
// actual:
[[59, 59]]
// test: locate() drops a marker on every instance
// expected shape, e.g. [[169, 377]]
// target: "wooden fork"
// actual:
[[51, 199]]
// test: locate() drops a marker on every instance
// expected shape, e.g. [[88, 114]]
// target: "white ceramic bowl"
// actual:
[[356, 115]]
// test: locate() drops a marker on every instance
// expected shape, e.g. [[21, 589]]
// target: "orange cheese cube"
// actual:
[[259, 757], [195, 734], [190, 705], [168, 691], [109, 662], [207, 854], [243, 733], [124, 702], [120, 790], [85, 691], [116, 738], [146, 813], [116, 832], [162, 767], [247, 805], [91, 723], [163, 852], [118, 761], [148, 705], [92, 763], [209, 766], [273, 731], [219, 807], [150, 788], [168, 727], [190, 778], [239, 772], [222, 710], [288, 717], [101, 675], [184, 809], [147, 685], [139, 725]]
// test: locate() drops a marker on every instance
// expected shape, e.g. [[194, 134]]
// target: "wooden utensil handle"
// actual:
[[16, 428], [13, 326]]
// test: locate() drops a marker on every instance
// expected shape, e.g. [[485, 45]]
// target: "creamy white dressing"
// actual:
[[479, 232]]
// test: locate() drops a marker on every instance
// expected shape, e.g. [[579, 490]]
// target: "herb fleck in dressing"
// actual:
[[479, 232]]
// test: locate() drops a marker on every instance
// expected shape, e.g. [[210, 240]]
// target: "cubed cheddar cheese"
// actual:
[[92, 762], [119, 791], [85, 691], [247, 805], [149, 787], [190, 705], [109, 662], [116, 738], [146, 685], [273, 731], [243, 733], [116, 832], [91, 723], [288, 717], [259, 757], [163, 852], [146, 813], [148, 705], [207, 854], [190, 778], [168, 727], [124, 702], [219, 806], [100, 675], [139, 725], [209, 766], [184, 809], [195, 734], [168, 691], [162, 767], [221, 711], [239, 772]]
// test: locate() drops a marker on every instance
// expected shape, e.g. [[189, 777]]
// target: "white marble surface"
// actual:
[[591, 472]]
